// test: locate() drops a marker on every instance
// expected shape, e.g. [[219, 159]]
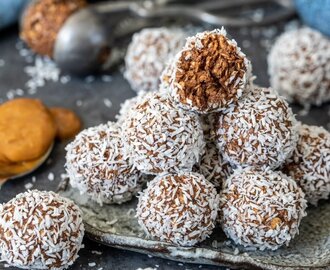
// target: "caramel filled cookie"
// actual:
[[14, 169], [27, 130], [67, 122]]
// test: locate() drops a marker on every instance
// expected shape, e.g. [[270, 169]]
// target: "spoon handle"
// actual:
[[201, 12], [205, 13], [107, 8]]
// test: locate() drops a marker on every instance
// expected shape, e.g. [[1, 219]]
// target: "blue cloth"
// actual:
[[10, 10], [315, 13]]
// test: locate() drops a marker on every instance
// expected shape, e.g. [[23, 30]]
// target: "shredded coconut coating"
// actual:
[[213, 166], [261, 209], [148, 54], [166, 78], [259, 131], [208, 122], [178, 208], [159, 137], [40, 230], [299, 66], [127, 105], [209, 73], [96, 166], [310, 163]]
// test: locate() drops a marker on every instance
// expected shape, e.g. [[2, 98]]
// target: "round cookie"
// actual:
[[310, 163], [148, 54], [261, 209], [259, 131], [27, 130], [67, 122], [159, 137], [40, 230], [96, 166], [42, 21], [299, 66], [209, 73], [178, 208]]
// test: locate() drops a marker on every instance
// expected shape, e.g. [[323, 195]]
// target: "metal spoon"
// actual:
[[86, 39], [36, 166]]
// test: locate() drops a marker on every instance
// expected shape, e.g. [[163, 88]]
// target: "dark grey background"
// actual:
[[93, 111]]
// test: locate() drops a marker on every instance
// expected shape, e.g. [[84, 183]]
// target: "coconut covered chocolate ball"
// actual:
[[178, 208], [259, 131], [159, 137], [209, 73], [42, 21], [40, 230], [213, 166], [208, 122], [310, 163], [148, 54], [299, 66], [166, 77], [261, 209], [96, 166], [127, 105]]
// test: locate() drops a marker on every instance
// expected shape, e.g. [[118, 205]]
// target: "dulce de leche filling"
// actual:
[[9, 170]]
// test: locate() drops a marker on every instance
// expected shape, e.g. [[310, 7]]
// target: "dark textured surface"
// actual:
[[93, 111]]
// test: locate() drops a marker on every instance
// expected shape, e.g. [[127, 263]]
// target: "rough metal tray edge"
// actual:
[[188, 255], [194, 255]]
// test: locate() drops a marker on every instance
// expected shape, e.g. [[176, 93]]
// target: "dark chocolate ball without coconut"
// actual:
[[43, 20]]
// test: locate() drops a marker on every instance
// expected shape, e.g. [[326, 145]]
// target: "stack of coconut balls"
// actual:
[[299, 66], [220, 150]]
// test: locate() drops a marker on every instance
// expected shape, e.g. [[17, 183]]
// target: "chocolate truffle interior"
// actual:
[[210, 72]]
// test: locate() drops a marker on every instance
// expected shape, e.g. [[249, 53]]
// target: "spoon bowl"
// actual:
[[83, 44], [36, 165]]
